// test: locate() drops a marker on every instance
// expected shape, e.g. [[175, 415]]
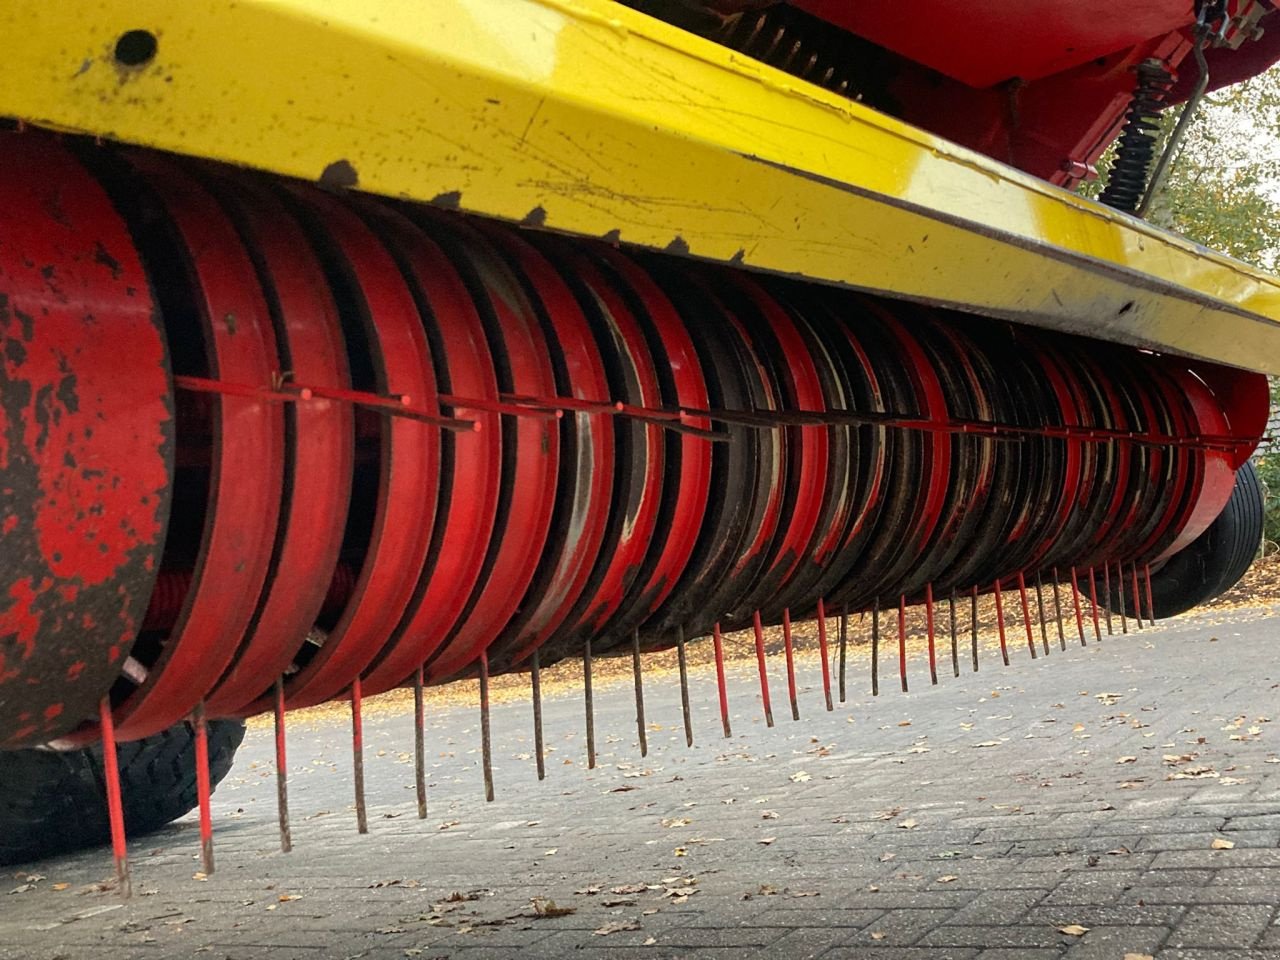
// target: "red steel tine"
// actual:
[[723, 688], [1137, 596], [1057, 610], [1004, 650], [684, 688], [1151, 605], [588, 705], [1093, 603], [902, 641], [486, 751], [973, 625], [1106, 589], [1124, 622], [875, 648], [115, 803], [955, 645], [1000, 624], [639, 683], [419, 745], [203, 789], [822, 650], [791, 663], [1044, 633], [535, 679], [357, 755], [1075, 599], [844, 646], [764, 677], [1026, 613], [928, 616], [282, 771]]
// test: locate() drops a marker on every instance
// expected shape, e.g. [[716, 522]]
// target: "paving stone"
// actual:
[[1046, 856], [1111, 942], [1220, 925]]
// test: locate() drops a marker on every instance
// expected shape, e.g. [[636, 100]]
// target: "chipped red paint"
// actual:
[[85, 441]]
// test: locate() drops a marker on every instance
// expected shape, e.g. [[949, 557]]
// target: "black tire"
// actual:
[[1217, 559], [54, 802]]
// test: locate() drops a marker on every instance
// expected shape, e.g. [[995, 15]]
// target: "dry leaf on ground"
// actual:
[[617, 926]]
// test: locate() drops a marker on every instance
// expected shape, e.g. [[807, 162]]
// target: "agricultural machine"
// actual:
[[357, 345]]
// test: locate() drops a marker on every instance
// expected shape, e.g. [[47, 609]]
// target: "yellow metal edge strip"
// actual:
[[586, 117]]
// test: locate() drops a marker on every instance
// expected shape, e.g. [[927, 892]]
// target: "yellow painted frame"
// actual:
[[586, 117]]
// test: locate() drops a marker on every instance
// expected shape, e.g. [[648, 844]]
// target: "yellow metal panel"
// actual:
[[586, 117]]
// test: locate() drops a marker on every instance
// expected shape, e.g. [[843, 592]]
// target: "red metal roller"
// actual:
[[586, 469], [472, 470], [381, 310], [320, 453], [925, 513], [86, 442], [530, 472], [637, 512], [1216, 474], [807, 445], [247, 459], [688, 458]]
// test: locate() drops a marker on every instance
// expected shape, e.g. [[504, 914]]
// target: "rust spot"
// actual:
[[101, 256], [339, 175]]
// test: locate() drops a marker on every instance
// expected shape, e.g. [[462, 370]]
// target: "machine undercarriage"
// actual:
[[557, 364]]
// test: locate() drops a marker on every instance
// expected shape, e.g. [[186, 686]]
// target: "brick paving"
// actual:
[[972, 820]]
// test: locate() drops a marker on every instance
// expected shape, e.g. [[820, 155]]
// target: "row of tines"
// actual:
[[411, 444]]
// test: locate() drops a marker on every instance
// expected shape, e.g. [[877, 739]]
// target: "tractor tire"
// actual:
[[1218, 558], [55, 802]]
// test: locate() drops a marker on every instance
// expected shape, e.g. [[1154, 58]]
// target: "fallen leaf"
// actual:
[[1127, 760], [1073, 930], [987, 743], [676, 822], [768, 814], [542, 907], [886, 857], [617, 926], [766, 840], [800, 777], [1221, 844], [629, 888], [949, 878], [60, 886], [1138, 956], [878, 935], [286, 897], [907, 824]]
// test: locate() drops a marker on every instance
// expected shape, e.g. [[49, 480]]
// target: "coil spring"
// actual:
[[1137, 146]]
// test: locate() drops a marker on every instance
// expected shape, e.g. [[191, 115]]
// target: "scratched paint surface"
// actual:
[[592, 119], [84, 446]]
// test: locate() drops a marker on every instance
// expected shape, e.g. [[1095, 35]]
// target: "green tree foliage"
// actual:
[[1223, 191]]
